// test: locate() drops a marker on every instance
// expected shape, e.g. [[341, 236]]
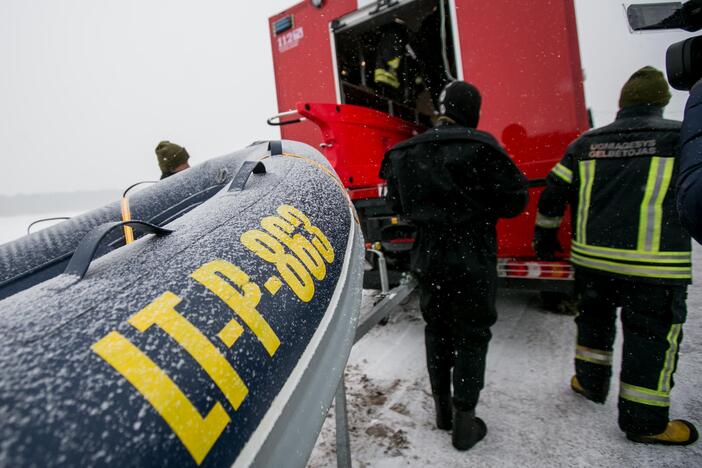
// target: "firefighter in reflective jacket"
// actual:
[[454, 182], [406, 66], [396, 64], [630, 250]]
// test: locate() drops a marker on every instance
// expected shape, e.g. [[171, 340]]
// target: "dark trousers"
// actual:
[[652, 317], [458, 310]]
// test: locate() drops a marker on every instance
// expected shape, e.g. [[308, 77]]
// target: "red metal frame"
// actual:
[[356, 138]]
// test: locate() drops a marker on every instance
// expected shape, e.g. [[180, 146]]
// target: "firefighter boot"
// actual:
[[596, 396], [468, 430], [678, 432], [439, 351]]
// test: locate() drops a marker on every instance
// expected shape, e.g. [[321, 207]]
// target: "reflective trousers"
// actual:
[[459, 311], [652, 317]]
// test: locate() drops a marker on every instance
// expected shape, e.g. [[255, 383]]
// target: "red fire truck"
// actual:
[[523, 56]]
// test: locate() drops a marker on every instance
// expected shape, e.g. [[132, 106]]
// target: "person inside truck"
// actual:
[[454, 182], [629, 250], [408, 70], [395, 71]]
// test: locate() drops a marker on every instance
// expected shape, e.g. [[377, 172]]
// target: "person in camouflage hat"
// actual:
[[646, 86], [632, 258], [172, 158]]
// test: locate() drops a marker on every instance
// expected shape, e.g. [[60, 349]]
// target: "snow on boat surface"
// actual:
[[220, 343], [32, 259]]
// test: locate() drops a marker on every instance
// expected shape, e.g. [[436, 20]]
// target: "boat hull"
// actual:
[[220, 343]]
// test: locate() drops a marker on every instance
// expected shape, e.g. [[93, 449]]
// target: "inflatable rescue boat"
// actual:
[[217, 338], [45, 254]]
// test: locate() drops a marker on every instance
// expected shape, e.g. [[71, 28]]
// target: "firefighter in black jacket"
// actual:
[[630, 250], [454, 182]]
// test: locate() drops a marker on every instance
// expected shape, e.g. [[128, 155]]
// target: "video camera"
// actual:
[[683, 59]]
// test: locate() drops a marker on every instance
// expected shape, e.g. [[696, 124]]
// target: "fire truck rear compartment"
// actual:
[[421, 73]]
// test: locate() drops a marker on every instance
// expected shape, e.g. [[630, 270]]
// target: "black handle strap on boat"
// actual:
[[33, 223], [239, 180], [128, 189], [80, 261], [275, 147]]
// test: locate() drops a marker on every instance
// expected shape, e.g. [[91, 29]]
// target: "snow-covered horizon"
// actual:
[[14, 227]]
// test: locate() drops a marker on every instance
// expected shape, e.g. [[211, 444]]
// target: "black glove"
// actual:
[[546, 243]]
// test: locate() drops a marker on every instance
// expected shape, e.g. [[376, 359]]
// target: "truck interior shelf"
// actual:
[[408, 35]]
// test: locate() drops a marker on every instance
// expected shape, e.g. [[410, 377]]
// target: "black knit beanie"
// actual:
[[460, 101], [645, 86]]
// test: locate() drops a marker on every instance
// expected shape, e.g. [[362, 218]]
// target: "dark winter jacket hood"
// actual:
[[641, 110]]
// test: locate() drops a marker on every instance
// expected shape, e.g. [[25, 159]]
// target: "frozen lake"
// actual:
[[12, 227]]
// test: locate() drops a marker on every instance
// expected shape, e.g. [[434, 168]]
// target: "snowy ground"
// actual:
[[533, 418]]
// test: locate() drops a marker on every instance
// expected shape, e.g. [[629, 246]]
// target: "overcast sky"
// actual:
[[89, 87]]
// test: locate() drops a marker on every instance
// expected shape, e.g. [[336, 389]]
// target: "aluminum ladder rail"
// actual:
[[390, 299]]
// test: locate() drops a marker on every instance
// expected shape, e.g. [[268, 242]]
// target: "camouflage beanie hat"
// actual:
[[170, 156], [645, 86]]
